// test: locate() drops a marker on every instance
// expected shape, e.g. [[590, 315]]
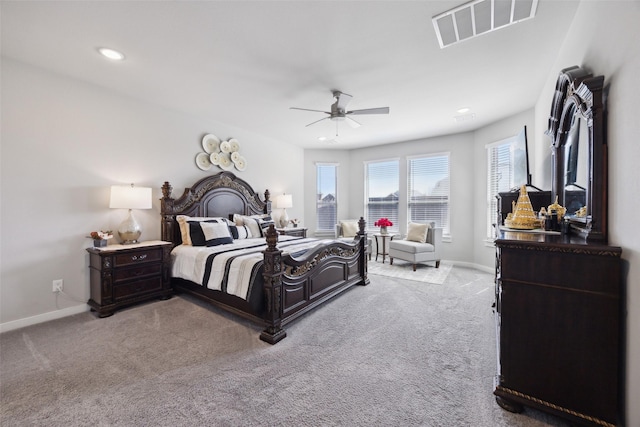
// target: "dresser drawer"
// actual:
[[142, 270], [129, 289], [137, 257]]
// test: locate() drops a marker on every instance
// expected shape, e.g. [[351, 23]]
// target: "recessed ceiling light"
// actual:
[[463, 110], [111, 54], [322, 138]]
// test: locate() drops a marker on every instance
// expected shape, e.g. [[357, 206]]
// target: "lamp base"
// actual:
[[284, 219], [129, 231]]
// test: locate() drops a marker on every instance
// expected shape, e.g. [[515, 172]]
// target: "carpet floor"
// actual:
[[394, 353]]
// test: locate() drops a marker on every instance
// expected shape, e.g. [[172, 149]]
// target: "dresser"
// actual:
[[559, 314], [121, 275]]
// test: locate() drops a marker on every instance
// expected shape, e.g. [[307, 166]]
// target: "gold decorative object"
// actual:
[[523, 216], [582, 212], [559, 209]]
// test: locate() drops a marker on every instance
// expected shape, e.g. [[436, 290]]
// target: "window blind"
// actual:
[[428, 189], [382, 188], [500, 177], [326, 199]]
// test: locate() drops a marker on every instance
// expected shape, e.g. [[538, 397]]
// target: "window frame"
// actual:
[[371, 221], [331, 230], [446, 228], [492, 201]]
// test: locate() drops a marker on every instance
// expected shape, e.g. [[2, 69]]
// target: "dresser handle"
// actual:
[[138, 258]]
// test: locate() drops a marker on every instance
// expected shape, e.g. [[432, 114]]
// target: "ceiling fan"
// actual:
[[339, 112]]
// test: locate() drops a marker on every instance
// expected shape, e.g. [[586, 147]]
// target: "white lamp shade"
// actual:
[[284, 201], [130, 197]]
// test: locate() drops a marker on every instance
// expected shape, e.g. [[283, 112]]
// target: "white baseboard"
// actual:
[[45, 317]]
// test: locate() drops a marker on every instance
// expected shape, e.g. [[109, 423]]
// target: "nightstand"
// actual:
[[293, 231], [121, 275]]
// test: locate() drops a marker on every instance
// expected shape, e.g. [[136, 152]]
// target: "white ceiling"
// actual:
[[245, 63]]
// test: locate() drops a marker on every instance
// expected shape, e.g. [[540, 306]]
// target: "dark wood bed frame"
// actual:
[[290, 286]]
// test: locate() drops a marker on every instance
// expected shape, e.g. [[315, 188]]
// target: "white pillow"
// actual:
[[417, 232], [252, 224], [215, 233], [349, 228]]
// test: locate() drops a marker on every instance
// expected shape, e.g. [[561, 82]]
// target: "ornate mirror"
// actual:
[[579, 152]]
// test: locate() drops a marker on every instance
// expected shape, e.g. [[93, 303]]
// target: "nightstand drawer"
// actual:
[[136, 272], [130, 289], [137, 257]]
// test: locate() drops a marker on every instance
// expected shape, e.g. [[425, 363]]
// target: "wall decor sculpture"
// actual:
[[224, 154]]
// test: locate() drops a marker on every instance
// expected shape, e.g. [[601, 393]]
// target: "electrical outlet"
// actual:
[[58, 285]]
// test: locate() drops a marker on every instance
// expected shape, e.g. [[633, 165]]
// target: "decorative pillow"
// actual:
[[264, 224], [183, 223], [214, 233], [349, 228], [197, 235], [252, 225], [417, 232], [237, 219], [240, 232]]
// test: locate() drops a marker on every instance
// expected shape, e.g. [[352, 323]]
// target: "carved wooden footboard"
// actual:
[[291, 285]]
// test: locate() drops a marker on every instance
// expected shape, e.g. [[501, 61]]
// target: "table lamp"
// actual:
[[283, 202], [130, 197]]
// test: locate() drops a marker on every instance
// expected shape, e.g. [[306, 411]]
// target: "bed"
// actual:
[[291, 275]]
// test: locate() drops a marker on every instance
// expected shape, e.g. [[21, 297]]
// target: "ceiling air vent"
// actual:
[[480, 17]]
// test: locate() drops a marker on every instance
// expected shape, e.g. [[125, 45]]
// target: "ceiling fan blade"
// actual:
[[313, 123], [381, 110], [352, 122], [308, 109], [343, 99]]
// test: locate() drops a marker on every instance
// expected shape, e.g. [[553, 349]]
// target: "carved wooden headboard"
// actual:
[[219, 195]]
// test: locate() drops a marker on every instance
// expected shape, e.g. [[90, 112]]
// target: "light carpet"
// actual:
[[403, 270], [392, 353]]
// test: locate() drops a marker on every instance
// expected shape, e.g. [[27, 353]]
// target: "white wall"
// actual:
[[604, 39], [64, 143]]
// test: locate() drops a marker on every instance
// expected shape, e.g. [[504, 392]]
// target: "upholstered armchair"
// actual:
[[347, 230], [423, 243]]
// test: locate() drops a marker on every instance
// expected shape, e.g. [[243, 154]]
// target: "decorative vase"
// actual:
[[383, 229], [99, 243]]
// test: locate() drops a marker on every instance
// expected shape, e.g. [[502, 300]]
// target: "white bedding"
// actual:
[[238, 259]]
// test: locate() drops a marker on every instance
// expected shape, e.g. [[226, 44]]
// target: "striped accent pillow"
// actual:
[[240, 232], [185, 229], [264, 224], [209, 233]]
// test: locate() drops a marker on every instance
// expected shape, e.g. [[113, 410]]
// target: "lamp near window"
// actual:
[[130, 197], [283, 202]]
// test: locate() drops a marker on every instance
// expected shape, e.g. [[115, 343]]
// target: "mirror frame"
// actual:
[[579, 93]]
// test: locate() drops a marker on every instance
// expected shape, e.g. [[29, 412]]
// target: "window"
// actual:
[[382, 185], [326, 197], [500, 177], [428, 190]]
